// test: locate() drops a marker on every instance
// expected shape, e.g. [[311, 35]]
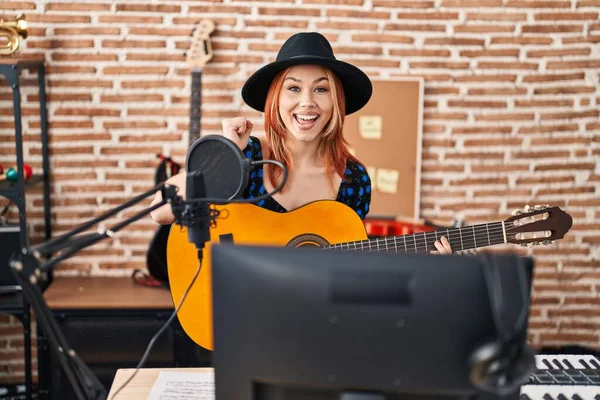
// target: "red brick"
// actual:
[[554, 77], [484, 29], [386, 38], [130, 19], [491, 16], [521, 40], [161, 8], [415, 28], [538, 3], [292, 11], [78, 7], [404, 3], [565, 16], [559, 52]]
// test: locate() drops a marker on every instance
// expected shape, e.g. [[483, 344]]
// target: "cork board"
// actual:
[[386, 136]]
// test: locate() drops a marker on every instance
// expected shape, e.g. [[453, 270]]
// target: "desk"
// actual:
[[141, 385], [109, 323], [105, 293]]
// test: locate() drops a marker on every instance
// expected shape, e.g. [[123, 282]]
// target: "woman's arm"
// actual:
[[164, 215]]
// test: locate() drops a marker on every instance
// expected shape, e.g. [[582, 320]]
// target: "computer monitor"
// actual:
[[309, 323]]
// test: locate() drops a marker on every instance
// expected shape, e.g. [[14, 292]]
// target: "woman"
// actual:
[[305, 95]]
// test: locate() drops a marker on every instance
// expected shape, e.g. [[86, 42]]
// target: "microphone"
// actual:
[[223, 165], [215, 168]]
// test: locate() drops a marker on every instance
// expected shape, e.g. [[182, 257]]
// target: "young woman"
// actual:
[[305, 95]]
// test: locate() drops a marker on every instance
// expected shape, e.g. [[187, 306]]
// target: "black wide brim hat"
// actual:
[[309, 48]]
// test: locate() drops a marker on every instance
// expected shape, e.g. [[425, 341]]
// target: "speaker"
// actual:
[[109, 340], [11, 243]]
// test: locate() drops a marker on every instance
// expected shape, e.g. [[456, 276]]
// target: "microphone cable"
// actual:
[[197, 273]]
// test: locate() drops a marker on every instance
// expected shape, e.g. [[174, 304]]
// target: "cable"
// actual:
[[160, 331], [197, 273], [279, 187], [493, 277]]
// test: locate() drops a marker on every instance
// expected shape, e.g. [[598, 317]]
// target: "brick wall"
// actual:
[[511, 116]]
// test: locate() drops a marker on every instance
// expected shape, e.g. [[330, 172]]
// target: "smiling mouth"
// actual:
[[306, 121]]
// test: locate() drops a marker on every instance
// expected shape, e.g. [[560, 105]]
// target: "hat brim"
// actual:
[[357, 85]]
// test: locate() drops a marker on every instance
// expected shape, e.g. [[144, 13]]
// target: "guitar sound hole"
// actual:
[[308, 245], [308, 240]]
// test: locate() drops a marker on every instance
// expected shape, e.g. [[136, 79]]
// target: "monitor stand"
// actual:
[[362, 396]]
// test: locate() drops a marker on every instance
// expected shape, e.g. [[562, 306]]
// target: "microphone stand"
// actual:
[[29, 265]]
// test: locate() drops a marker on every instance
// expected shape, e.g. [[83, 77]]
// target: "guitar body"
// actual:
[[249, 224]]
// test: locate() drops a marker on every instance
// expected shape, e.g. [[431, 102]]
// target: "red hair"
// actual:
[[332, 146]]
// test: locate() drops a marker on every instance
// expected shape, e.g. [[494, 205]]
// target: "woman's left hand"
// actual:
[[442, 246]]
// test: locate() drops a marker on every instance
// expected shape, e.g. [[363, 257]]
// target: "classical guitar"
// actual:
[[199, 54], [332, 225]]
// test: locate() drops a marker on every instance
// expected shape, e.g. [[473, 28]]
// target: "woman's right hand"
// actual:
[[237, 130], [164, 215]]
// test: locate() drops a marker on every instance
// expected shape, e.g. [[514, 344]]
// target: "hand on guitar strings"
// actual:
[[442, 246]]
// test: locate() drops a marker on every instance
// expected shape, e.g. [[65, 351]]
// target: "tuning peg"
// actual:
[[523, 244], [539, 207], [547, 242], [517, 212], [527, 208]]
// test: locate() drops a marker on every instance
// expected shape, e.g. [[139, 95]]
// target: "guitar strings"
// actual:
[[464, 234], [416, 241], [411, 238]]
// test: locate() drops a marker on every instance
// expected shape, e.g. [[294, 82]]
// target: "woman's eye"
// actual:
[[294, 88], [321, 90]]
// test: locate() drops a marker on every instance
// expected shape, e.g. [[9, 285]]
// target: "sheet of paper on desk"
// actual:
[[176, 385]]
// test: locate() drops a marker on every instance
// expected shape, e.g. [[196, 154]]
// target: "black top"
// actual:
[[355, 189]]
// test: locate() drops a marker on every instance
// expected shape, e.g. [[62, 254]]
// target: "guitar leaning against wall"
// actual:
[[331, 225], [199, 54]]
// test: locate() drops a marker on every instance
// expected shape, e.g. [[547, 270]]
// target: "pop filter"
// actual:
[[222, 164]]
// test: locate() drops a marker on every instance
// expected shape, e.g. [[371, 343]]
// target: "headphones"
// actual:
[[501, 365]]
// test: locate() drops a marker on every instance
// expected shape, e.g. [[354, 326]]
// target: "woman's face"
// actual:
[[305, 102]]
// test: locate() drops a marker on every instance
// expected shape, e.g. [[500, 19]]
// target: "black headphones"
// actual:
[[503, 364]]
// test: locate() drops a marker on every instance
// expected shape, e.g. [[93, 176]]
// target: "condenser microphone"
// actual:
[[215, 168], [224, 168]]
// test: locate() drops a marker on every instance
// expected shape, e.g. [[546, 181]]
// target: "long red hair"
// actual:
[[332, 146]]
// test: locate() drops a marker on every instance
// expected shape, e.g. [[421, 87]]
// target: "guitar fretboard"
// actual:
[[196, 98], [464, 238]]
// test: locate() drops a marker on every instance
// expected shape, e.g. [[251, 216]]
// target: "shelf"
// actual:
[[9, 187], [11, 303], [23, 63]]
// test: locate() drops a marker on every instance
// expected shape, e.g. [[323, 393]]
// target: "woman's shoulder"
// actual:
[[357, 173], [255, 147], [356, 190]]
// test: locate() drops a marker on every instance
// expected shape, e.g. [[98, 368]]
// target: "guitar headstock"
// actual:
[[540, 224], [200, 51]]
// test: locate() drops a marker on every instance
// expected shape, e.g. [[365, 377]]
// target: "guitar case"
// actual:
[[156, 257]]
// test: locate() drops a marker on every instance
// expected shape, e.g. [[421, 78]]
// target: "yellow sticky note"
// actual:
[[387, 180], [370, 127]]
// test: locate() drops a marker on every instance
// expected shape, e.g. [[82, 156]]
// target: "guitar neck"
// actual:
[[464, 238], [195, 103]]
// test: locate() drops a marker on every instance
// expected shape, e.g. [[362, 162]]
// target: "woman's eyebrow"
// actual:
[[323, 78]]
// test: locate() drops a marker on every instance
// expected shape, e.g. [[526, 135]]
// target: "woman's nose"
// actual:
[[307, 99]]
